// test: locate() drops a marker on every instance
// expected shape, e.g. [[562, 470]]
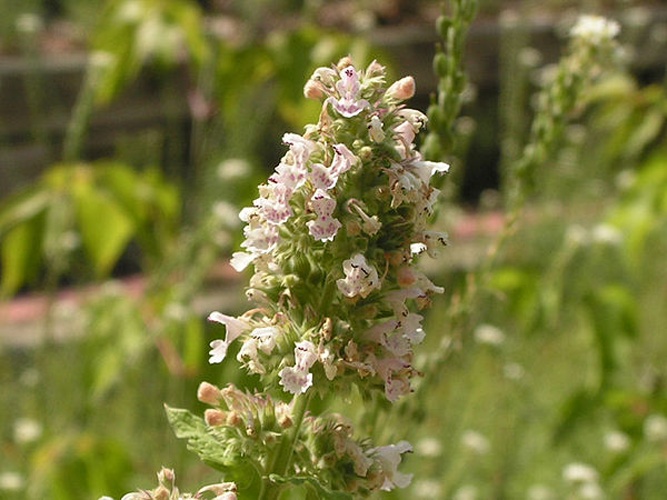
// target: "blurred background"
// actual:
[[133, 131]]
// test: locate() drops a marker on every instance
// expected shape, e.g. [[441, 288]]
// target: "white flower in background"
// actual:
[[655, 428], [607, 234], [489, 335], [595, 29], [540, 492], [578, 472], [27, 430], [427, 488], [513, 371], [616, 441], [11, 481], [429, 447], [590, 491], [466, 492], [475, 442]]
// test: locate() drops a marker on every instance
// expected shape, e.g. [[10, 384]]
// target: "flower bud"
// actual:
[[402, 89], [215, 418], [161, 493], [344, 63], [209, 394], [313, 90]]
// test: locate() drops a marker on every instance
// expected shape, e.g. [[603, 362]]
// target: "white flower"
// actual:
[[375, 129], [300, 148], [427, 488], [273, 204], [389, 458], [234, 326], [27, 430], [266, 338], [360, 277], [241, 260], [412, 328], [348, 104], [590, 491], [616, 441], [427, 169], [466, 492], [294, 380], [475, 442], [489, 335], [539, 492], [429, 447], [305, 355], [324, 227], [433, 241], [218, 351], [655, 428], [595, 29], [11, 481], [344, 160], [577, 472]]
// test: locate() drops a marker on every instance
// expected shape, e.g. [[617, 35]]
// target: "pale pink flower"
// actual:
[[300, 148], [305, 355], [412, 328], [344, 159], [426, 169], [348, 104], [290, 175], [361, 278], [294, 380], [389, 458], [324, 227], [234, 328], [241, 260], [273, 205], [266, 338]]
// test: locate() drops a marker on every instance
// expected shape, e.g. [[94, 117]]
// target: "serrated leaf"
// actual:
[[185, 424], [311, 482]]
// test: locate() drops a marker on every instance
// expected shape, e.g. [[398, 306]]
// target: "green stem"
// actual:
[[282, 460]]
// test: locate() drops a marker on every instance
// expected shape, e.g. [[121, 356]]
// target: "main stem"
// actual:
[[281, 461]]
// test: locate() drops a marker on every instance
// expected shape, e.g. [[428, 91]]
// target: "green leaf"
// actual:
[[22, 207], [106, 229], [311, 482], [217, 450], [21, 249]]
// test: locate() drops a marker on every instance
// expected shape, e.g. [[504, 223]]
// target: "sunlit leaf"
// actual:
[[21, 253], [105, 227]]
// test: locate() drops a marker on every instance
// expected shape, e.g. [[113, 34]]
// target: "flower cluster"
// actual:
[[333, 238], [251, 425], [167, 490]]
